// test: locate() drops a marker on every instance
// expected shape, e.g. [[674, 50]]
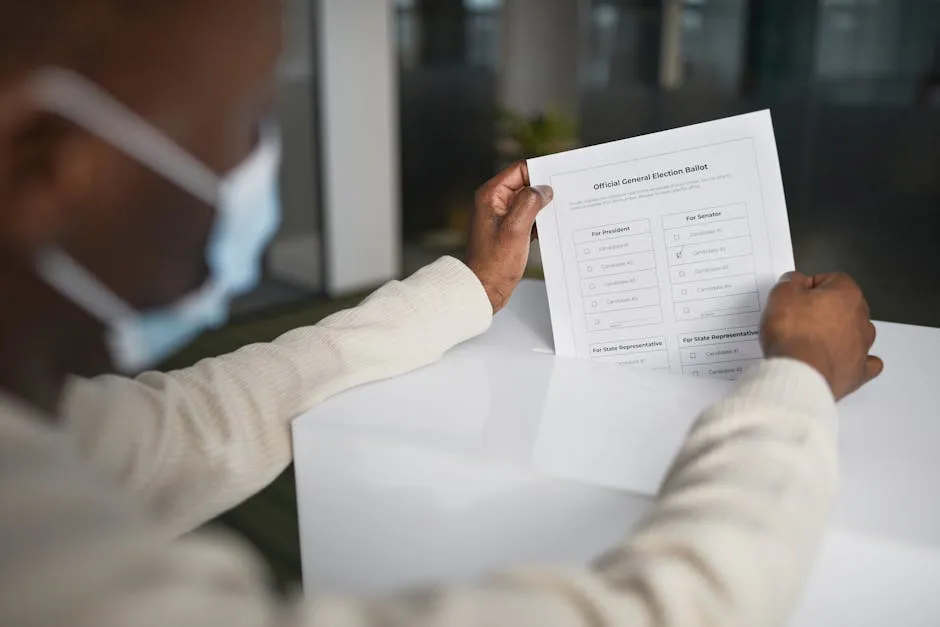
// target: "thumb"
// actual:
[[791, 283], [871, 370], [873, 367], [796, 279], [525, 208]]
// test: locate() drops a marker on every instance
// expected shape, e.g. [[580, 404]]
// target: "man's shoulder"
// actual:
[[47, 492], [21, 424]]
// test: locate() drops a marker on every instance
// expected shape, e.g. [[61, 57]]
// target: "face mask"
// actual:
[[247, 216]]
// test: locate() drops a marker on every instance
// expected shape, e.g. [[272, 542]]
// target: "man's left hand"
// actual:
[[502, 230]]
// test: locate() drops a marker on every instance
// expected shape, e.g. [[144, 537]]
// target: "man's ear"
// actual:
[[44, 167]]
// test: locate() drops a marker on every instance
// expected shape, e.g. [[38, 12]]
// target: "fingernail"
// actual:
[[545, 191], [787, 276]]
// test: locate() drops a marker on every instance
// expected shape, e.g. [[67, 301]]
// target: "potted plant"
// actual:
[[524, 136]]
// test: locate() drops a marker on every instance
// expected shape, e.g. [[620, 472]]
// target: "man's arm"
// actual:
[[728, 543], [193, 443], [198, 441], [739, 516]]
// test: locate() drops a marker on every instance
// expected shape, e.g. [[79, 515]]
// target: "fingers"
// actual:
[[526, 208], [789, 283], [813, 281], [523, 169], [844, 282], [874, 366], [499, 190], [835, 280], [514, 178], [795, 279], [828, 279]]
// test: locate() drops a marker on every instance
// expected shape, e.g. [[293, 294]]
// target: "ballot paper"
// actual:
[[660, 251]]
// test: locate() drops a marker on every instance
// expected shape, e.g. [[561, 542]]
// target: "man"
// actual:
[[136, 186]]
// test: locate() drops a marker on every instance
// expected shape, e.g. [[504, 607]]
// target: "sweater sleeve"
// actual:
[[194, 443], [729, 543]]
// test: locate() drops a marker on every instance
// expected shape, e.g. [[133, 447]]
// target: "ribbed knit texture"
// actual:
[[93, 506]]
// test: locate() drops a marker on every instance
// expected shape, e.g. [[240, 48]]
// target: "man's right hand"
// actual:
[[823, 321], [502, 230]]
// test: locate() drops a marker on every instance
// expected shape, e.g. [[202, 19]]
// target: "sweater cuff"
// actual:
[[458, 304], [793, 385]]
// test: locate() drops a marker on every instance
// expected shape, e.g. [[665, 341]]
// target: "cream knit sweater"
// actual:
[[93, 507]]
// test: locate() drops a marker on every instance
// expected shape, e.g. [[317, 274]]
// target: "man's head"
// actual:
[[200, 71]]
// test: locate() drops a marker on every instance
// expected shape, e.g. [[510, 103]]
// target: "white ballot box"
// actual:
[[470, 466]]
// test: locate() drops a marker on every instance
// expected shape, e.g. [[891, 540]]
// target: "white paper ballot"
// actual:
[[660, 251]]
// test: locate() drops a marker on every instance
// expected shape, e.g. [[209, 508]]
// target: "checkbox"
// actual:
[[590, 268], [685, 292], [594, 303], [693, 356], [587, 251], [695, 374], [682, 273], [676, 237], [597, 322], [592, 286], [686, 310]]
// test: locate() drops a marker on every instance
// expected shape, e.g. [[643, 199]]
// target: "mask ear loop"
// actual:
[[81, 287], [75, 98]]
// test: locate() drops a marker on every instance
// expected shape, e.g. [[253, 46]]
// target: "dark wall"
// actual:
[[448, 122], [859, 145], [862, 183], [859, 141]]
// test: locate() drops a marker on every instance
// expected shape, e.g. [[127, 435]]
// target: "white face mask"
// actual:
[[248, 214]]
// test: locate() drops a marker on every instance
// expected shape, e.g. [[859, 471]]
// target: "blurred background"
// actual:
[[396, 110]]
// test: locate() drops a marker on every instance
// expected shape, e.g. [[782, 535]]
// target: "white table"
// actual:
[[379, 514]]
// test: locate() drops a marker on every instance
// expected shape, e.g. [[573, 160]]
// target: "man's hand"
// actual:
[[823, 321], [502, 230]]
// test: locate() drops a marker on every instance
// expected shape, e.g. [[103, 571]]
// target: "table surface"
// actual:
[[378, 514]]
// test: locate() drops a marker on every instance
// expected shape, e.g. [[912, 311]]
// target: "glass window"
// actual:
[[713, 41], [293, 268], [875, 51], [483, 32], [449, 52], [853, 86]]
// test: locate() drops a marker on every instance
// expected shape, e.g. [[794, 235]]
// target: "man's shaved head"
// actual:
[[201, 72], [75, 33]]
